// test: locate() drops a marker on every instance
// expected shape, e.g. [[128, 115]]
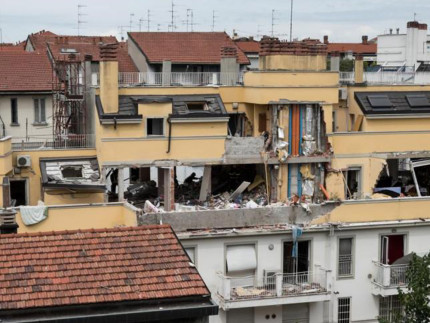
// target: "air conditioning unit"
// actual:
[[23, 161], [343, 93]]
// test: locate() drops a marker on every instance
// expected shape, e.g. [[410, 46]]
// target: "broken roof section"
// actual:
[[72, 173], [182, 105], [185, 47], [393, 103]]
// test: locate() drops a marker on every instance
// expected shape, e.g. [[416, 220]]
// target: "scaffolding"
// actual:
[[69, 104]]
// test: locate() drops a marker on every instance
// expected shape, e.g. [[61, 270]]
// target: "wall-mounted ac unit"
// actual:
[[23, 161], [343, 93]]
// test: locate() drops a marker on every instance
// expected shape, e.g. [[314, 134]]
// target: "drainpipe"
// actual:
[[170, 135]]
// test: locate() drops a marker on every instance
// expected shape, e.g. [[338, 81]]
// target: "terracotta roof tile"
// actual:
[[185, 47], [109, 265], [24, 71], [248, 46], [125, 63]]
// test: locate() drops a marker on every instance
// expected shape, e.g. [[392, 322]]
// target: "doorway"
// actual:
[[296, 264], [392, 248], [18, 192]]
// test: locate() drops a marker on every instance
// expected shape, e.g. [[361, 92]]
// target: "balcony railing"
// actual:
[[390, 276], [48, 142], [175, 79], [387, 77], [273, 286]]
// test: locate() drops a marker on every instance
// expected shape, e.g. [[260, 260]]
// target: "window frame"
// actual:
[[351, 275], [345, 174], [37, 111], [12, 114], [163, 123], [310, 251], [349, 298], [195, 253], [389, 310]]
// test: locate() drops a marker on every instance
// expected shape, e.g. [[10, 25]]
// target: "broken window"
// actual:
[[345, 260], [352, 177], [71, 171], [197, 106], [18, 192], [154, 127], [236, 124], [297, 264]]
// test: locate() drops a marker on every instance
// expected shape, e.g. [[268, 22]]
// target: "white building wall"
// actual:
[[210, 258], [25, 116]]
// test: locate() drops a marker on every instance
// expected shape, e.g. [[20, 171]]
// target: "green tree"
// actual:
[[416, 299], [346, 65]]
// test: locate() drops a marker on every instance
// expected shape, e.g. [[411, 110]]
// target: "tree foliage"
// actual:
[[416, 299]]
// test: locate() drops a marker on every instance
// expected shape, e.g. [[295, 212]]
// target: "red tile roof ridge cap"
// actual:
[[91, 230]]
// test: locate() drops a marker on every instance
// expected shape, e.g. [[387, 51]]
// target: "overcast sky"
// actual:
[[342, 20]]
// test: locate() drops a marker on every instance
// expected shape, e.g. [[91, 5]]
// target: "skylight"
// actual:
[[379, 101], [418, 101]]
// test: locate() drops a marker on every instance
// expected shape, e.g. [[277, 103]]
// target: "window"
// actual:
[[352, 179], [71, 171], [191, 252], [343, 310], [14, 111], [345, 261], [154, 127], [390, 308], [39, 111]]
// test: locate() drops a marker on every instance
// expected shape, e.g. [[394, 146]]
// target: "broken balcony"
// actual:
[[273, 289], [388, 278]]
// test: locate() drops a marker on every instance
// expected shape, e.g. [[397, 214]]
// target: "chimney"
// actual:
[[358, 69], [229, 66], [326, 39], [364, 40], [391, 31], [8, 223], [109, 77], [398, 31]]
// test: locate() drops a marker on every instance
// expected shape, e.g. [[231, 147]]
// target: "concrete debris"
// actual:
[[151, 208], [308, 187], [282, 151], [239, 190], [73, 172]]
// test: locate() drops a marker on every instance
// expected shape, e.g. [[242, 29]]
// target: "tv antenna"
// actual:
[[172, 25], [121, 31], [273, 22], [148, 20], [187, 21], [213, 20], [291, 22], [80, 15], [140, 23], [131, 21]]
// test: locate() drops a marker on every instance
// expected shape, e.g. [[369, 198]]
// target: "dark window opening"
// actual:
[[392, 248], [39, 111], [352, 179], [14, 110], [236, 124], [299, 262], [155, 127], [18, 192], [197, 106], [71, 171]]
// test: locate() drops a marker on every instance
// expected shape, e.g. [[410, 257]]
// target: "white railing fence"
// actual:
[[47, 142], [388, 77], [390, 276], [175, 78], [276, 285]]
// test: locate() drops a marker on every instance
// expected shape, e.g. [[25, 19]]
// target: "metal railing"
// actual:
[[276, 285], [345, 265], [175, 79], [346, 77], [48, 142], [390, 276]]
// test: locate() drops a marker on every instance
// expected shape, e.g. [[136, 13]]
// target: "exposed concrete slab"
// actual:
[[236, 218]]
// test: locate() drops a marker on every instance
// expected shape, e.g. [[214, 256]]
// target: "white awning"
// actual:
[[241, 258]]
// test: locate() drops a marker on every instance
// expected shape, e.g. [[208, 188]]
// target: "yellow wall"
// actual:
[[73, 217], [109, 86], [5, 155], [293, 62], [33, 174], [290, 79], [53, 198], [378, 210]]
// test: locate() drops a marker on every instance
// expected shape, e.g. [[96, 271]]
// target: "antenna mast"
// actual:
[[80, 15], [291, 22], [273, 22], [131, 20], [172, 21], [148, 20], [213, 20]]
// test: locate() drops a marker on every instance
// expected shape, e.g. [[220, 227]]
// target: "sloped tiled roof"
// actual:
[[125, 63], [94, 266], [248, 46], [11, 47], [39, 39], [356, 48], [25, 71], [84, 45], [185, 47]]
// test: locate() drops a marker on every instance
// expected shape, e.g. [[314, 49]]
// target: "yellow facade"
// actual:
[[293, 62]]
